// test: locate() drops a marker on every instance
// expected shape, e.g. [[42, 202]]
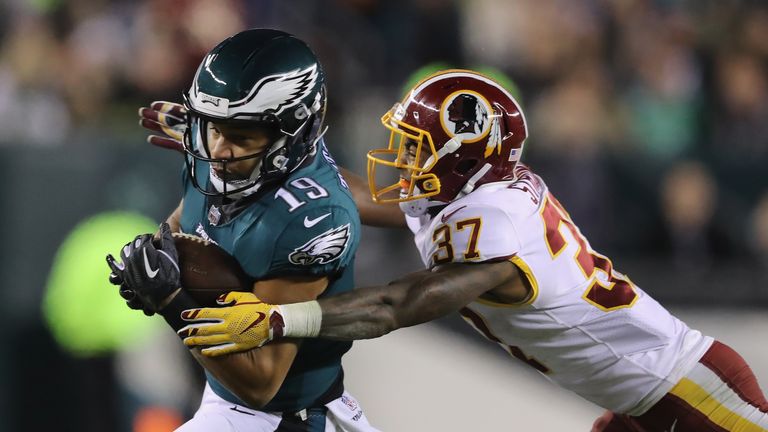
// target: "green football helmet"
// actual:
[[265, 78]]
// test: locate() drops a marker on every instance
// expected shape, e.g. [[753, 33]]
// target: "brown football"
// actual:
[[207, 271]]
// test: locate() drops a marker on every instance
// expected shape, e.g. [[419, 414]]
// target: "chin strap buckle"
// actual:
[[470, 186]]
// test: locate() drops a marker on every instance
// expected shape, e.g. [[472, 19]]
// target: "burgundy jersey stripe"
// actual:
[[731, 368]]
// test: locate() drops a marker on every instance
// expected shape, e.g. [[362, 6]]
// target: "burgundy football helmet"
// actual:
[[454, 131]]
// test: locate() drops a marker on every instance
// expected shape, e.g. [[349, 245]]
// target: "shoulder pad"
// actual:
[[320, 240], [470, 232]]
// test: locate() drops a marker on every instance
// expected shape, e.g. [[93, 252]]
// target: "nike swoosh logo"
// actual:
[[234, 408], [674, 425], [445, 217], [151, 273], [255, 322], [309, 223]]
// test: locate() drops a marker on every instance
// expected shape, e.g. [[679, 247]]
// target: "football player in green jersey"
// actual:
[[260, 183], [492, 237]]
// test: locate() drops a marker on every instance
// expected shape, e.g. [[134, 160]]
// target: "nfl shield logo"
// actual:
[[349, 402], [214, 215]]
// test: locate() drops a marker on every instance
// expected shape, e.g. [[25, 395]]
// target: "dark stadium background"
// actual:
[[648, 119]]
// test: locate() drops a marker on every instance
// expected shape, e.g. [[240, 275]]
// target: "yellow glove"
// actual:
[[245, 323]]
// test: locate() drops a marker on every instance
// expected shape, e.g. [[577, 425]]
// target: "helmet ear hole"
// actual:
[[465, 166]]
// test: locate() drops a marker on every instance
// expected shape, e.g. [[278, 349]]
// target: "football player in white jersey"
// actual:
[[502, 250]]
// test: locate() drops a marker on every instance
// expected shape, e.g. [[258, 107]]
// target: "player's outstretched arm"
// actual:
[[363, 313], [371, 213], [414, 299]]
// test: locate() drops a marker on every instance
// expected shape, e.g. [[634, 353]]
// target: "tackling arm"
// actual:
[[363, 313], [371, 213], [414, 299]]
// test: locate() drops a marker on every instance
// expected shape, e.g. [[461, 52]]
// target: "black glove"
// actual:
[[118, 268], [151, 270]]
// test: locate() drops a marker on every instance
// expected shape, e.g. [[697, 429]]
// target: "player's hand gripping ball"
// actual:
[[149, 269], [206, 271], [117, 268], [245, 323]]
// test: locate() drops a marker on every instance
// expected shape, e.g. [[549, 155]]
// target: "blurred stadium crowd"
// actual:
[[644, 114], [647, 118]]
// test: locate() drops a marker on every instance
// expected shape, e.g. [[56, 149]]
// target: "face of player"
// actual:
[[409, 158], [228, 141]]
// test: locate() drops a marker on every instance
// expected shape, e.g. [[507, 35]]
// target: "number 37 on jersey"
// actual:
[[566, 251]]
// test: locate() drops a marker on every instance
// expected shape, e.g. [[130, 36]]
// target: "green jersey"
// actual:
[[307, 225]]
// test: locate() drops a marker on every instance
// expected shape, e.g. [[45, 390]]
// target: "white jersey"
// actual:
[[587, 327]]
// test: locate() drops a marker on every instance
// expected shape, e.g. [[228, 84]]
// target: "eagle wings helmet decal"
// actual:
[[275, 93], [327, 247]]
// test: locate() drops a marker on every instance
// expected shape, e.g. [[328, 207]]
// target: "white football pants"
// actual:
[[216, 414]]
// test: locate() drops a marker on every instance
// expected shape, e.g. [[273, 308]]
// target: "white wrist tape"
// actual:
[[301, 319]]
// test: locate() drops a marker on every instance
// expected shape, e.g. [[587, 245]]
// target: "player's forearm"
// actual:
[[174, 220], [372, 312], [368, 314], [226, 372], [254, 376], [364, 313], [417, 298], [376, 311]]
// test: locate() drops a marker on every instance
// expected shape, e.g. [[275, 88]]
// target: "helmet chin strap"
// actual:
[[470, 185], [319, 136], [419, 207], [450, 146], [218, 184]]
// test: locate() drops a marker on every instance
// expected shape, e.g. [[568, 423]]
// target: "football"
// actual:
[[207, 271]]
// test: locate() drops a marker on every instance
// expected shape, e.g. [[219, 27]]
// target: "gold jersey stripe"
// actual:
[[718, 413], [526, 269]]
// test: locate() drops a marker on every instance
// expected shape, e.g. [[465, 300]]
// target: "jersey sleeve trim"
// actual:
[[523, 266]]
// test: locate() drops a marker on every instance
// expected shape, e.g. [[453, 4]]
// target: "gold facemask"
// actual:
[[396, 155]]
